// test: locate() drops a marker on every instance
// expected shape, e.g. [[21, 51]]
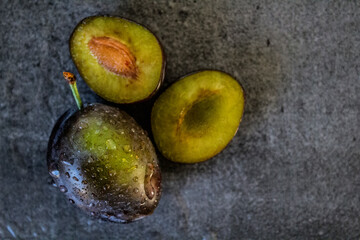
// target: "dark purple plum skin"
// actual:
[[98, 197]]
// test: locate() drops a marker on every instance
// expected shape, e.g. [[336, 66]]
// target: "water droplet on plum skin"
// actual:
[[127, 148], [54, 171], [63, 189]]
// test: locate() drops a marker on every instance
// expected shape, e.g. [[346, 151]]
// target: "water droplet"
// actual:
[[133, 130], [132, 168], [127, 148], [90, 160], [84, 182], [136, 190], [83, 125], [63, 189], [107, 166], [52, 182], [91, 205], [122, 132], [99, 169], [55, 173], [53, 170], [75, 178], [106, 187], [112, 173], [71, 201], [93, 175], [110, 144], [92, 213], [143, 201], [135, 179], [67, 174]]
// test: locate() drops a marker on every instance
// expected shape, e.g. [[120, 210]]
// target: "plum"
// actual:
[[122, 61], [197, 116], [104, 162]]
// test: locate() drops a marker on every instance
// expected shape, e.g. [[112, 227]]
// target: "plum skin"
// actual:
[[117, 193]]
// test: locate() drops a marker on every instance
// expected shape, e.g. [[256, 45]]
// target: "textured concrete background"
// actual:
[[292, 170]]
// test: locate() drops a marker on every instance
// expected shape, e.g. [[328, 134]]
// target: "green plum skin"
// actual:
[[104, 163]]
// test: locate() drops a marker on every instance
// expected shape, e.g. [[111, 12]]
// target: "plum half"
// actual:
[[197, 116], [104, 162], [120, 60]]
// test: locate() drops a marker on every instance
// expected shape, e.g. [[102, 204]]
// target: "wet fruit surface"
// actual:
[[105, 163], [195, 118], [120, 60]]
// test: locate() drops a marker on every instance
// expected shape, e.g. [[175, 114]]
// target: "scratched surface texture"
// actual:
[[291, 172]]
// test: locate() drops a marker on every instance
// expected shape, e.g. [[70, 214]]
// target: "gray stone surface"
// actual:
[[292, 170]]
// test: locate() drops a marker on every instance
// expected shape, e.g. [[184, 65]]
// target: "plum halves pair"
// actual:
[[99, 156]]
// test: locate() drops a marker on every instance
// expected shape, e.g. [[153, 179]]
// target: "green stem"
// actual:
[[76, 95], [70, 78]]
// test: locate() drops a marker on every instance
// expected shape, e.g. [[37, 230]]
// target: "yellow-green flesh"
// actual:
[[141, 43], [195, 118]]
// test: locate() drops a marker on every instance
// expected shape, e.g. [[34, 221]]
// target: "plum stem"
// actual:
[[70, 78]]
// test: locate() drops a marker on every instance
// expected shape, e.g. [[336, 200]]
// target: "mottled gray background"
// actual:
[[292, 170]]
